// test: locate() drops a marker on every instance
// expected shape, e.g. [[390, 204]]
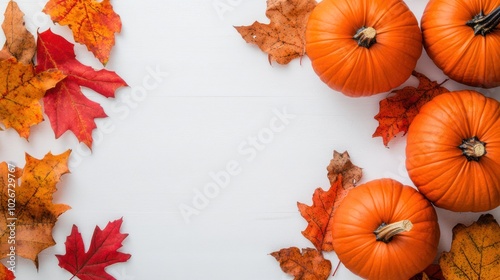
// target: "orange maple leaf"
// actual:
[[20, 43], [325, 203], [308, 265], [20, 94], [93, 23], [398, 110], [34, 215], [283, 39]]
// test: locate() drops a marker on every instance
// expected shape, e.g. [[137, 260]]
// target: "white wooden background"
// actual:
[[213, 96]]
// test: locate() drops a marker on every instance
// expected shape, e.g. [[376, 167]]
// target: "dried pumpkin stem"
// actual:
[[366, 36], [483, 24], [386, 232], [473, 149]]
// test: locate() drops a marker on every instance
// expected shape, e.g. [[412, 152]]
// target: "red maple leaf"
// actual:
[[398, 110], [65, 105], [102, 252]]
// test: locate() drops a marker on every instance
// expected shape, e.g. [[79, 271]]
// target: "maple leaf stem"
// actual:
[[366, 37], [386, 232]]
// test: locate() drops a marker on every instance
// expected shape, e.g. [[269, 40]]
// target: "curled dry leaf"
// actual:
[[20, 93], [93, 23], [341, 165], [475, 251], [34, 215], [283, 39], [19, 43], [398, 110], [306, 265]]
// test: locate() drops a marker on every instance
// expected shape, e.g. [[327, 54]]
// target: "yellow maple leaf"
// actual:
[[20, 94], [475, 251], [27, 212], [93, 23]]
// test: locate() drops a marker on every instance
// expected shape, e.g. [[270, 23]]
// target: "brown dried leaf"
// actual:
[[283, 39], [341, 165], [475, 251], [19, 43], [308, 265]]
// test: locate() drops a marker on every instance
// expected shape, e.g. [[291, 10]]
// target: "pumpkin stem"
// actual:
[[386, 232], [473, 149], [365, 37], [483, 24]]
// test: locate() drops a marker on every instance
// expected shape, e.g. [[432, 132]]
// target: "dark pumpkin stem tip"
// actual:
[[473, 149], [484, 24], [366, 37]]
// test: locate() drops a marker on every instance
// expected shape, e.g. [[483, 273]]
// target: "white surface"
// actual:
[[155, 152]]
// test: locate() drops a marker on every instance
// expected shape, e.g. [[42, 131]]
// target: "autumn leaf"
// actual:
[[34, 215], [319, 215], [306, 265], [19, 43], [283, 39], [398, 110], [432, 272], [65, 105], [20, 94], [102, 252], [475, 251], [5, 273], [341, 165], [93, 23]]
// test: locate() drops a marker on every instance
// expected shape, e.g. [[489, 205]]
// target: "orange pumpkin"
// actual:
[[363, 47], [385, 230], [453, 151], [462, 37]]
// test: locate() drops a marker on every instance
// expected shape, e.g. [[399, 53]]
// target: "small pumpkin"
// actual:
[[453, 151], [363, 47], [385, 230], [462, 37]]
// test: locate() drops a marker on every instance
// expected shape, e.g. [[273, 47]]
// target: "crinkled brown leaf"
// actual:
[[308, 265], [341, 164], [19, 43], [475, 251], [35, 214], [283, 39], [401, 106]]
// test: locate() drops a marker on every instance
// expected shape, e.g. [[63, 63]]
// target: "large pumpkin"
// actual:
[[363, 47], [453, 151], [462, 37], [385, 230]]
